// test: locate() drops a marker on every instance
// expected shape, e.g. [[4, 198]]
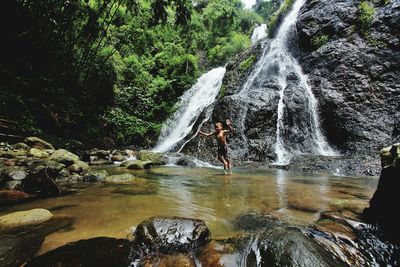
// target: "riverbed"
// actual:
[[203, 193]]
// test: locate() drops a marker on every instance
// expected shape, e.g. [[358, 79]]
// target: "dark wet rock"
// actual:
[[139, 164], [63, 156], [380, 210], [185, 161], [16, 249], [156, 158], [355, 77], [41, 183], [52, 167], [95, 176], [172, 234], [99, 251], [38, 143]]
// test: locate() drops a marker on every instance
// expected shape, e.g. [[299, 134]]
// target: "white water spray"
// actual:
[[259, 33], [191, 105]]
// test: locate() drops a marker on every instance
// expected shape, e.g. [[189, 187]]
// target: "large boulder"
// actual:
[[38, 143], [24, 218], [65, 157], [156, 158], [380, 208], [99, 251], [172, 234]]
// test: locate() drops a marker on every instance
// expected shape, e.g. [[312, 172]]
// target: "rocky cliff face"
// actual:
[[353, 70]]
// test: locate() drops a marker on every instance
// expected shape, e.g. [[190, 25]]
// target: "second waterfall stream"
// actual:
[[191, 105]]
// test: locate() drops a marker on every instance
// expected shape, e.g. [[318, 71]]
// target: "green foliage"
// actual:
[[247, 63], [266, 8], [319, 40], [228, 47], [273, 20], [366, 14], [112, 70]]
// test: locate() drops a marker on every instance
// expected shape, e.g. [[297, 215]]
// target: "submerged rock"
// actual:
[[125, 178], [99, 251]]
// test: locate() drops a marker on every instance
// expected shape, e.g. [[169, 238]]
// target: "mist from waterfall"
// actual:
[[277, 66], [193, 102]]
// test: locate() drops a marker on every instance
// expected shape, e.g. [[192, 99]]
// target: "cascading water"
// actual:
[[192, 104], [259, 33], [278, 67]]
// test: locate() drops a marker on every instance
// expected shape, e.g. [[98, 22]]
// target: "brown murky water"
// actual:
[[203, 193]]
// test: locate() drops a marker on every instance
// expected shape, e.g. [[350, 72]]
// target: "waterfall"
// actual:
[[259, 33], [277, 66], [193, 102]]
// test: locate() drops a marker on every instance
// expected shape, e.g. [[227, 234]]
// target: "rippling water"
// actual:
[[203, 193]]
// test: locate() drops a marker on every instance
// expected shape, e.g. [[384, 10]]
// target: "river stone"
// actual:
[[38, 143], [65, 157], [156, 158], [139, 165], [95, 175], [38, 153], [172, 234], [99, 251], [78, 167], [24, 218], [127, 163], [17, 174], [117, 158], [125, 178]]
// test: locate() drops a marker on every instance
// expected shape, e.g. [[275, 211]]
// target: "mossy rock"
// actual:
[[156, 158], [65, 157], [78, 167], [36, 142], [38, 153], [95, 175]]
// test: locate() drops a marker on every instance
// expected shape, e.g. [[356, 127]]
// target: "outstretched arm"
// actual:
[[205, 134]]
